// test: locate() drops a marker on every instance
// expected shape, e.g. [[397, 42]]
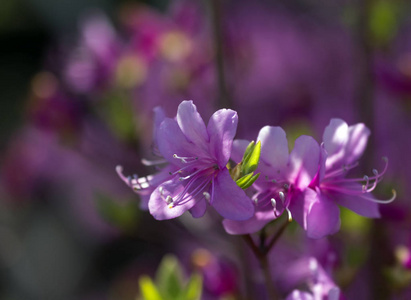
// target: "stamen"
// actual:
[[169, 199], [161, 190], [274, 204], [286, 186], [282, 196], [185, 159], [255, 201], [375, 172], [207, 196], [394, 195], [290, 216], [147, 162]]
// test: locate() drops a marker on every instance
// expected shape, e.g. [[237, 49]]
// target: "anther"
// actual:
[[290, 216], [273, 203], [385, 159], [286, 186], [207, 196], [282, 196], [169, 201], [375, 172], [255, 201], [161, 190]]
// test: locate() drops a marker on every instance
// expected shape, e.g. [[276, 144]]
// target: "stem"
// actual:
[[276, 236], [262, 257], [223, 98]]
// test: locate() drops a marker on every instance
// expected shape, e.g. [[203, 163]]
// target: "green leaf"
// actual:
[[247, 180], [169, 277], [251, 158], [194, 288], [148, 290]]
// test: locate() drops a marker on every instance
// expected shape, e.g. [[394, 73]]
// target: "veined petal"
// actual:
[[199, 209], [304, 161], [171, 140], [357, 142], [274, 148], [357, 204], [191, 124], [160, 209], [238, 149], [221, 128], [254, 224], [322, 216], [229, 200], [335, 138]]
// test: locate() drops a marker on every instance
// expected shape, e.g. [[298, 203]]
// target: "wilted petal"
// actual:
[[304, 161], [191, 124], [160, 209], [230, 200], [221, 129], [254, 224], [322, 216]]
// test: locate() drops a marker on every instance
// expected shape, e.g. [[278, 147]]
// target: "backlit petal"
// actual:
[[230, 200], [221, 129]]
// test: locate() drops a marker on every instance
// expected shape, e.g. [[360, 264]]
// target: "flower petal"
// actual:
[[171, 140], [191, 124], [304, 161], [274, 148], [357, 204], [221, 129], [159, 208], [254, 224], [229, 200], [198, 210], [335, 138], [322, 217], [357, 142]]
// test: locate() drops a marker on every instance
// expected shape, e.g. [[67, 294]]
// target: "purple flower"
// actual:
[[316, 207], [318, 282], [197, 172], [308, 183]]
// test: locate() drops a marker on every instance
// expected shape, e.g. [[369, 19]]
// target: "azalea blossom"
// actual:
[[196, 174], [318, 282], [309, 183], [342, 146]]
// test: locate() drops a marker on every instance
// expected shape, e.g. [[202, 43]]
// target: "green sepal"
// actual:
[[194, 288], [251, 158], [169, 277], [247, 180], [148, 289]]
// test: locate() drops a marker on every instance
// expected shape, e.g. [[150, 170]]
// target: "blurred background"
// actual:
[[78, 84]]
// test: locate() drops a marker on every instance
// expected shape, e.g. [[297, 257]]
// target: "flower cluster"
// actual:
[[308, 184]]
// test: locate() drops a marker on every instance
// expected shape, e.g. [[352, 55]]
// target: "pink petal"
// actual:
[[304, 161], [274, 149], [221, 129], [198, 210], [335, 138], [229, 200], [357, 142], [191, 124], [159, 208], [322, 215]]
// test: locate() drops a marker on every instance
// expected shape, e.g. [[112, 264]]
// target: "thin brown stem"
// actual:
[[261, 255], [276, 236]]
